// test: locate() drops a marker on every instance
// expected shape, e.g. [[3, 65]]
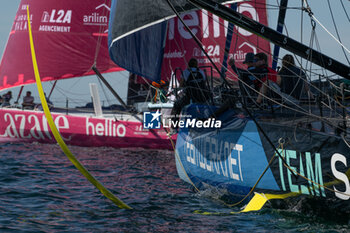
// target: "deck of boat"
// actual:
[[88, 112]]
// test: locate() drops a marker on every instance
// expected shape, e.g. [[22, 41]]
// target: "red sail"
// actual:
[[69, 38], [212, 31]]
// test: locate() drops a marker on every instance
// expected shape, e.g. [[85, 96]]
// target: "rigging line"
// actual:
[[313, 16], [336, 29], [149, 89], [100, 36], [57, 135], [76, 81], [104, 93], [325, 186], [313, 33], [65, 92], [179, 160], [198, 42], [300, 62], [120, 100], [200, 45], [311, 45], [267, 97], [286, 106], [68, 92], [341, 1], [99, 75], [53, 87], [273, 36], [318, 47], [106, 96], [262, 131], [60, 90], [246, 40], [271, 6], [225, 81], [236, 34], [246, 208], [315, 86], [182, 48], [260, 177], [302, 111], [274, 8], [226, 27]]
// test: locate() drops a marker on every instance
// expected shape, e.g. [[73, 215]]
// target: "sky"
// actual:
[[77, 90], [322, 13]]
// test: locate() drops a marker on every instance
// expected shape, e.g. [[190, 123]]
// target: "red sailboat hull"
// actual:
[[87, 131]]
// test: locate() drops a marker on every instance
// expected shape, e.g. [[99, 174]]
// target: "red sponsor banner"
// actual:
[[80, 130], [212, 32], [69, 38]]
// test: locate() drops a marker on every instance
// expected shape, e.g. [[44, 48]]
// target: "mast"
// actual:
[[19, 94], [275, 37], [228, 43], [53, 87], [280, 25]]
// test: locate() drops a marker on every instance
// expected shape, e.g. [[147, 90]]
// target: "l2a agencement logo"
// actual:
[[151, 120]]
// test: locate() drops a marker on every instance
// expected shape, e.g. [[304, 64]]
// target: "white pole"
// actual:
[[96, 99]]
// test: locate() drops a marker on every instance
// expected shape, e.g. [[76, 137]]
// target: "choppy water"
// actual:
[[40, 191]]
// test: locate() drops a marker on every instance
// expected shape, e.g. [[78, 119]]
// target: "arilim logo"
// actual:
[[151, 120]]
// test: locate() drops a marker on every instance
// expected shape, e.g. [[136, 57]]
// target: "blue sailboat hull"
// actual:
[[235, 157]]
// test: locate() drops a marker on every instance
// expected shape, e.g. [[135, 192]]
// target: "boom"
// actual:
[[275, 37]]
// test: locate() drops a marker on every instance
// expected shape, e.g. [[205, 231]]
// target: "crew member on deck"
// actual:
[[28, 101], [293, 78], [247, 77], [6, 99], [270, 79], [258, 72], [246, 82], [196, 88]]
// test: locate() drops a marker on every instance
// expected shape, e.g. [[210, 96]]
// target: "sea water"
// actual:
[[41, 191]]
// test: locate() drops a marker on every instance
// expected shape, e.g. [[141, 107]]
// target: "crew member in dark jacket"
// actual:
[[196, 89], [293, 78]]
